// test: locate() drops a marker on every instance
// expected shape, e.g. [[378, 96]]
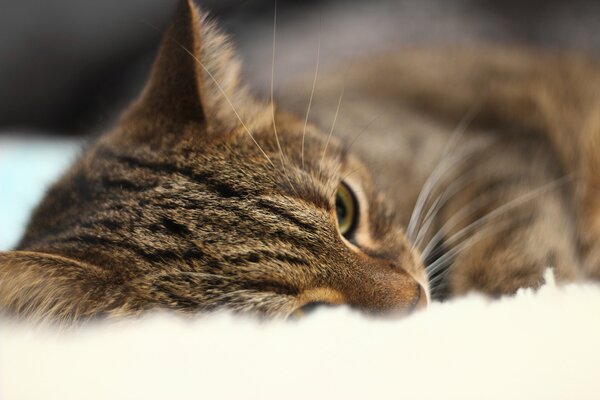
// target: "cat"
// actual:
[[482, 173]]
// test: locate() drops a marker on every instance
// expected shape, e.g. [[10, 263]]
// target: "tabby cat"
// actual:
[[481, 171]]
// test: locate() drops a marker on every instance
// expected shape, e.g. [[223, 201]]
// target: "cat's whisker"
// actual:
[[363, 130], [312, 91], [335, 117], [227, 99], [489, 216], [427, 222], [445, 166], [436, 283], [337, 111], [332, 180], [439, 203], [428, 187], [470, 208], [459, 247], [350, 173], [437, 172], [281, 155]]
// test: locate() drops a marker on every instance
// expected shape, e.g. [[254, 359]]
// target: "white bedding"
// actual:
[[540, 345]]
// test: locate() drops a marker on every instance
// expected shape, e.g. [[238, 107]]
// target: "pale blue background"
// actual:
[[27, 167]]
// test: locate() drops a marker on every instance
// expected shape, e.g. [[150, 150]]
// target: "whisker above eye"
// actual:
[[363, 130], [337, 111], [312, 91], [350, 173], [281, 155]]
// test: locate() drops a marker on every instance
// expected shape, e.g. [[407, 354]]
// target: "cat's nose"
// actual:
[[384, 290], [391, 294]]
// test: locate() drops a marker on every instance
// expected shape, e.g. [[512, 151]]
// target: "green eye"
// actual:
[[346, 209]]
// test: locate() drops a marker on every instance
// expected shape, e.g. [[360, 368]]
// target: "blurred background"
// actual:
[[67, 67]]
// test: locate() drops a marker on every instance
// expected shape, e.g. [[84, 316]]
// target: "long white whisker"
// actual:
[[447, 165], [492, 214], [337, 111], [437, 172], [350, 173], [272, 83], [434, 283], [312, 91], [427, 222], [463, 245], [439, 203], [460, 215], [366, 128], [281, 156]]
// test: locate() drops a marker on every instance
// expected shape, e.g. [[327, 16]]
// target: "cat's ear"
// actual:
[[40, 286], [194, 77]]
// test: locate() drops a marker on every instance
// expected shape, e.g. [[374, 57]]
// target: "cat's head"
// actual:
[[204, 198]]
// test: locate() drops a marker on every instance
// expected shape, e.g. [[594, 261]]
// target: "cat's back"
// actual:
[[399, 107]]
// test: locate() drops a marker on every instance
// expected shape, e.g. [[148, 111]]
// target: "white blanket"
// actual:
[[537, 345]]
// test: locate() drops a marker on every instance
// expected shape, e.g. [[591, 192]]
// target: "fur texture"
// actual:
[[204, 197], [190, 204]]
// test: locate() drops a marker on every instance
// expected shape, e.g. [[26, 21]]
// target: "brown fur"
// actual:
[[195, 202], [537, 112], [185, 206]]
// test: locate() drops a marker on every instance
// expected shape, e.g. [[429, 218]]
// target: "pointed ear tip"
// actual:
[[188, 10], [188, 6]]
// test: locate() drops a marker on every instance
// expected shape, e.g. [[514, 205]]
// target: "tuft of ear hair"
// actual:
[[195, 79]]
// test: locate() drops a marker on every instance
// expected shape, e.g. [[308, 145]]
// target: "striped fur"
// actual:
[[200, 199], [192, 203]]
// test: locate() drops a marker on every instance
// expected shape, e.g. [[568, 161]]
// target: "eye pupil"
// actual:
[[346, 210], [340, 209]]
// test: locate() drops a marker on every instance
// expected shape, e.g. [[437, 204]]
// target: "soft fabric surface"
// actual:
[[540, 345]]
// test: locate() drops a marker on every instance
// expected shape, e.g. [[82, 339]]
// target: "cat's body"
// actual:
[[510, 132], [205, 198]]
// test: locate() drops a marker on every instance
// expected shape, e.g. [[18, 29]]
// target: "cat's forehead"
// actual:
[[306, 165], [281, 154]]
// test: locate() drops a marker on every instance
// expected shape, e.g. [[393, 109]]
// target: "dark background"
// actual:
[[68, 66]]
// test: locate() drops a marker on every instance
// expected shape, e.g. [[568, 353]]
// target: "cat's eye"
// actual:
[[346, 209]]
